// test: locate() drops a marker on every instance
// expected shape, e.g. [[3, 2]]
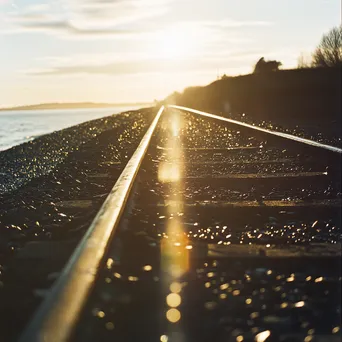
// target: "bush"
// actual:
[[266, 66]]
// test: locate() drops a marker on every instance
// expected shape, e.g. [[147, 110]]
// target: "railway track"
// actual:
[[215, 231]]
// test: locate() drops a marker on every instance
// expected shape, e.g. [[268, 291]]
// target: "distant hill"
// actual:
[[75, 105]]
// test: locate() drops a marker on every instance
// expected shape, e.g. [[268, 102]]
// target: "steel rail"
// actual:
[[56, 318], [264, 130]]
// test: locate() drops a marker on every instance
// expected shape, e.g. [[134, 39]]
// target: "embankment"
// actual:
[[303, 97]]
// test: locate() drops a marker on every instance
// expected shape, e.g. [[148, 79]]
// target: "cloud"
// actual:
[[110, 68], [67, 27], [134, 64], [86, 18], [231, 23], [103, 18]]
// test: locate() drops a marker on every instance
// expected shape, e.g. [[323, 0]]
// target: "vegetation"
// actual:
[[329, 51], [266, 66], [299, 95]]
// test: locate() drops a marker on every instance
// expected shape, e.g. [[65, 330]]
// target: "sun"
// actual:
[[177, 43]]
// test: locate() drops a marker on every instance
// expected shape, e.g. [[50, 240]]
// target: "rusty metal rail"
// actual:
[[263, 130], [56, 318]]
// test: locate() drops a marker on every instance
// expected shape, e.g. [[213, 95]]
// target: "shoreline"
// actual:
[[26, 161], [76, 105], [25, 125]]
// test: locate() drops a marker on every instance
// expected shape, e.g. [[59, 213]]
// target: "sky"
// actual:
[[142, 50]]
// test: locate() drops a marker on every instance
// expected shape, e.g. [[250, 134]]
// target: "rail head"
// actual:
[[264, 130], [56, 318]]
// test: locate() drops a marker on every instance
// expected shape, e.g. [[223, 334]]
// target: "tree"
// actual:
[[265, 66], [329, 51]]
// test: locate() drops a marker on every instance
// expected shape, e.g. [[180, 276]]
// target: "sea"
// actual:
[[18, 126]]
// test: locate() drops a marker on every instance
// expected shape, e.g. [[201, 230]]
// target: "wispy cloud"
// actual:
[[107, 66], [102, 18], [134, 64], [231, 23], [87, 18], [67, 27]]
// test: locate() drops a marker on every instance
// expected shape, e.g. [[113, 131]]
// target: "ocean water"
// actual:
[[19, 126]]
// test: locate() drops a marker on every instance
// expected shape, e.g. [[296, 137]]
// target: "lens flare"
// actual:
[[173, 315], [173, 300], [175, 287], [175, 245], [261, 337]]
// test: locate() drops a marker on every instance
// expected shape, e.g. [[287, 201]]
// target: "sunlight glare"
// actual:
[[173, 300], [175, 287], [168, 173], [177, 43], [261, 337], [173, 315]]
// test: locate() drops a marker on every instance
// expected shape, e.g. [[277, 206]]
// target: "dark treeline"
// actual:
[[297, 95]]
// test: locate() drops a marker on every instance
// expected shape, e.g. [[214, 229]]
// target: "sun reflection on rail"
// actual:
[[175, 248]]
